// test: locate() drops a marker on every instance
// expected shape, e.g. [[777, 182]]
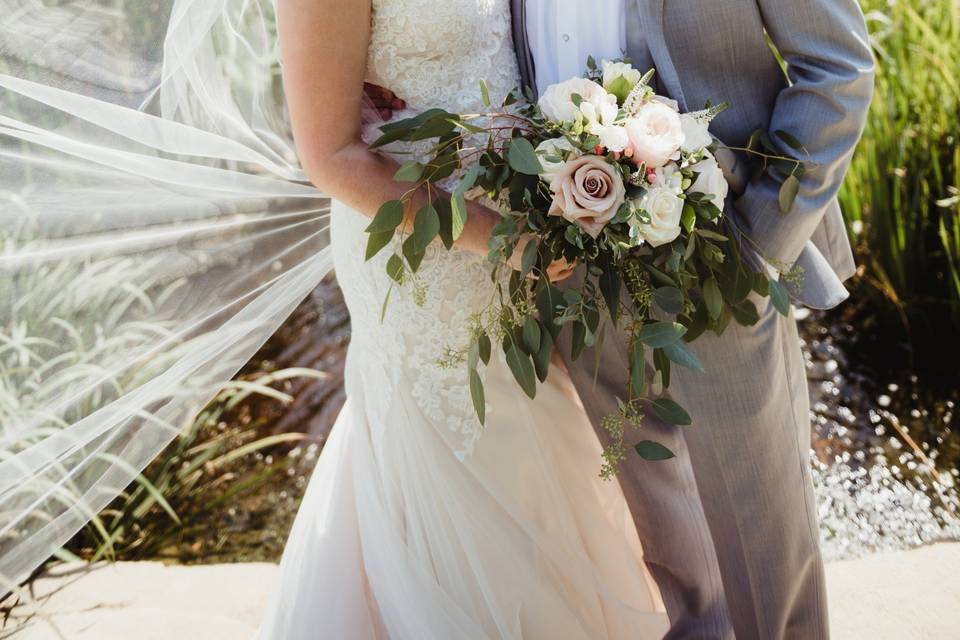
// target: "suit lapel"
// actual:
[[651, 17]]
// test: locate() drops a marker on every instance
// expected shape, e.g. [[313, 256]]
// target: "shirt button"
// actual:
[[566, 37]]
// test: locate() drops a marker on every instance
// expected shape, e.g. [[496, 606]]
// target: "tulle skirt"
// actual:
[[399, 538]]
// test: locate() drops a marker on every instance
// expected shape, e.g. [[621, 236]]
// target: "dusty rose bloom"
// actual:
[[587, 191]]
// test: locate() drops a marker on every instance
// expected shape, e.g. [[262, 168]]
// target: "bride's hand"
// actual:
[[557, 271]]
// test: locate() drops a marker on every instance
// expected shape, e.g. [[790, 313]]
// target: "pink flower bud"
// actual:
[[599, 150], [628, 152]]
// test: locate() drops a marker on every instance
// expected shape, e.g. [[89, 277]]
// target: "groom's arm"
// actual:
[[831, 69]]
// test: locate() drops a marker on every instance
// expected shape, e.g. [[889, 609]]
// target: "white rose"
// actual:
[[557, 101], [560, 147], [655, 134], [619, 78], [710, 181], [600, 115], [665, 209], [696, 133]]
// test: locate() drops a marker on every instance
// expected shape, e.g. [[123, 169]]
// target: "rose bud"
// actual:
[[599, 150]]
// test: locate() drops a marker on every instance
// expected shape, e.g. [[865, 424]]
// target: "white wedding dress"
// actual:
[[419, 524]]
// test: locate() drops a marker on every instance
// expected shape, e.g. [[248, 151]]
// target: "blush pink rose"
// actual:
[[656, 134], [587, 191]]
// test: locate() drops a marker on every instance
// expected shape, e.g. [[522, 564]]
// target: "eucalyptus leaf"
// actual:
[[670, 299], [484, 347], [531, 335], [410, 171], [426, 227], [660, 334], [395, 268], [523, 157], [529, 257], [414, 257], [779, 296], [788, 138], [789, 191], [680, 353], [522, 369], [484, 92], [388, 217], [712, 297], [376, 242], [477, 395], [669, 411], [653, 451]]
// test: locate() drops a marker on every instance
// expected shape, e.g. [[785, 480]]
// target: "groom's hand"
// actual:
[[383, 100]]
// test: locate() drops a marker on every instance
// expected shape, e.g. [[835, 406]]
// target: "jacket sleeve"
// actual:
[[831, 71]]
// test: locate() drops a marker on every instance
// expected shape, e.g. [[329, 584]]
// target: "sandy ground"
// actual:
[[908, 595]]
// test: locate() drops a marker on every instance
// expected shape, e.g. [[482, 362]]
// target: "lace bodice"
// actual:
[[432, 53]]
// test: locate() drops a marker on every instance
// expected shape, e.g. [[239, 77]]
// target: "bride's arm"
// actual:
[[324, 49]]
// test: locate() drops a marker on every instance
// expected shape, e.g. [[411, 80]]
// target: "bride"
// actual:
[[418, 522]]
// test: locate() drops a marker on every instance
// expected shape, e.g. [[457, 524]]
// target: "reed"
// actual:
[[900, 197]]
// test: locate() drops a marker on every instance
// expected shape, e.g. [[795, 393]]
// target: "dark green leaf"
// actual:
[[780, 297], [541, 360], [389, 137], [788, 193], [445, 213], [484, 346], [395, 268], [680, 353], [531, 335], [522, 369], [476, 393], [653, 451], [414, 257], [788, 138], [660, 334], [579, 342], [376, 242], [746, 313], [426, 227], [610, 286], [670, 299], [669, 411], [388, 217], [712, 297], [523, 157], [529, 257]]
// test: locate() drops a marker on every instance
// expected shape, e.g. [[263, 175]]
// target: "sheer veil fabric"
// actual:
[[155, 229]]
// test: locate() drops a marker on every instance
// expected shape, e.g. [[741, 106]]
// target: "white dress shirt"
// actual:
[[563, 33]]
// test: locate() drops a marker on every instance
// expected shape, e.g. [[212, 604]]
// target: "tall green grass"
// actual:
[[900, 198]]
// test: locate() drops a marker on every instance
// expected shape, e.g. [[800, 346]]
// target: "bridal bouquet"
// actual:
[[603, 173]]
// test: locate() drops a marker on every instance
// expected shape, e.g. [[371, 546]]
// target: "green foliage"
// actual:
[[900, 195]]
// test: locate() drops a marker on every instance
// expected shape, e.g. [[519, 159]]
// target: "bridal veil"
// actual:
[[155, 229]]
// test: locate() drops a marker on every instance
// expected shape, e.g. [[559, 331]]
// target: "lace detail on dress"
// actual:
[[432, 54]]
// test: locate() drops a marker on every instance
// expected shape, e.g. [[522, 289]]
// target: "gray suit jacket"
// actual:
[[717, 51]]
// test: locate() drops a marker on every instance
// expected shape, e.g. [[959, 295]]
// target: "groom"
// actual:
[[729, 526]]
